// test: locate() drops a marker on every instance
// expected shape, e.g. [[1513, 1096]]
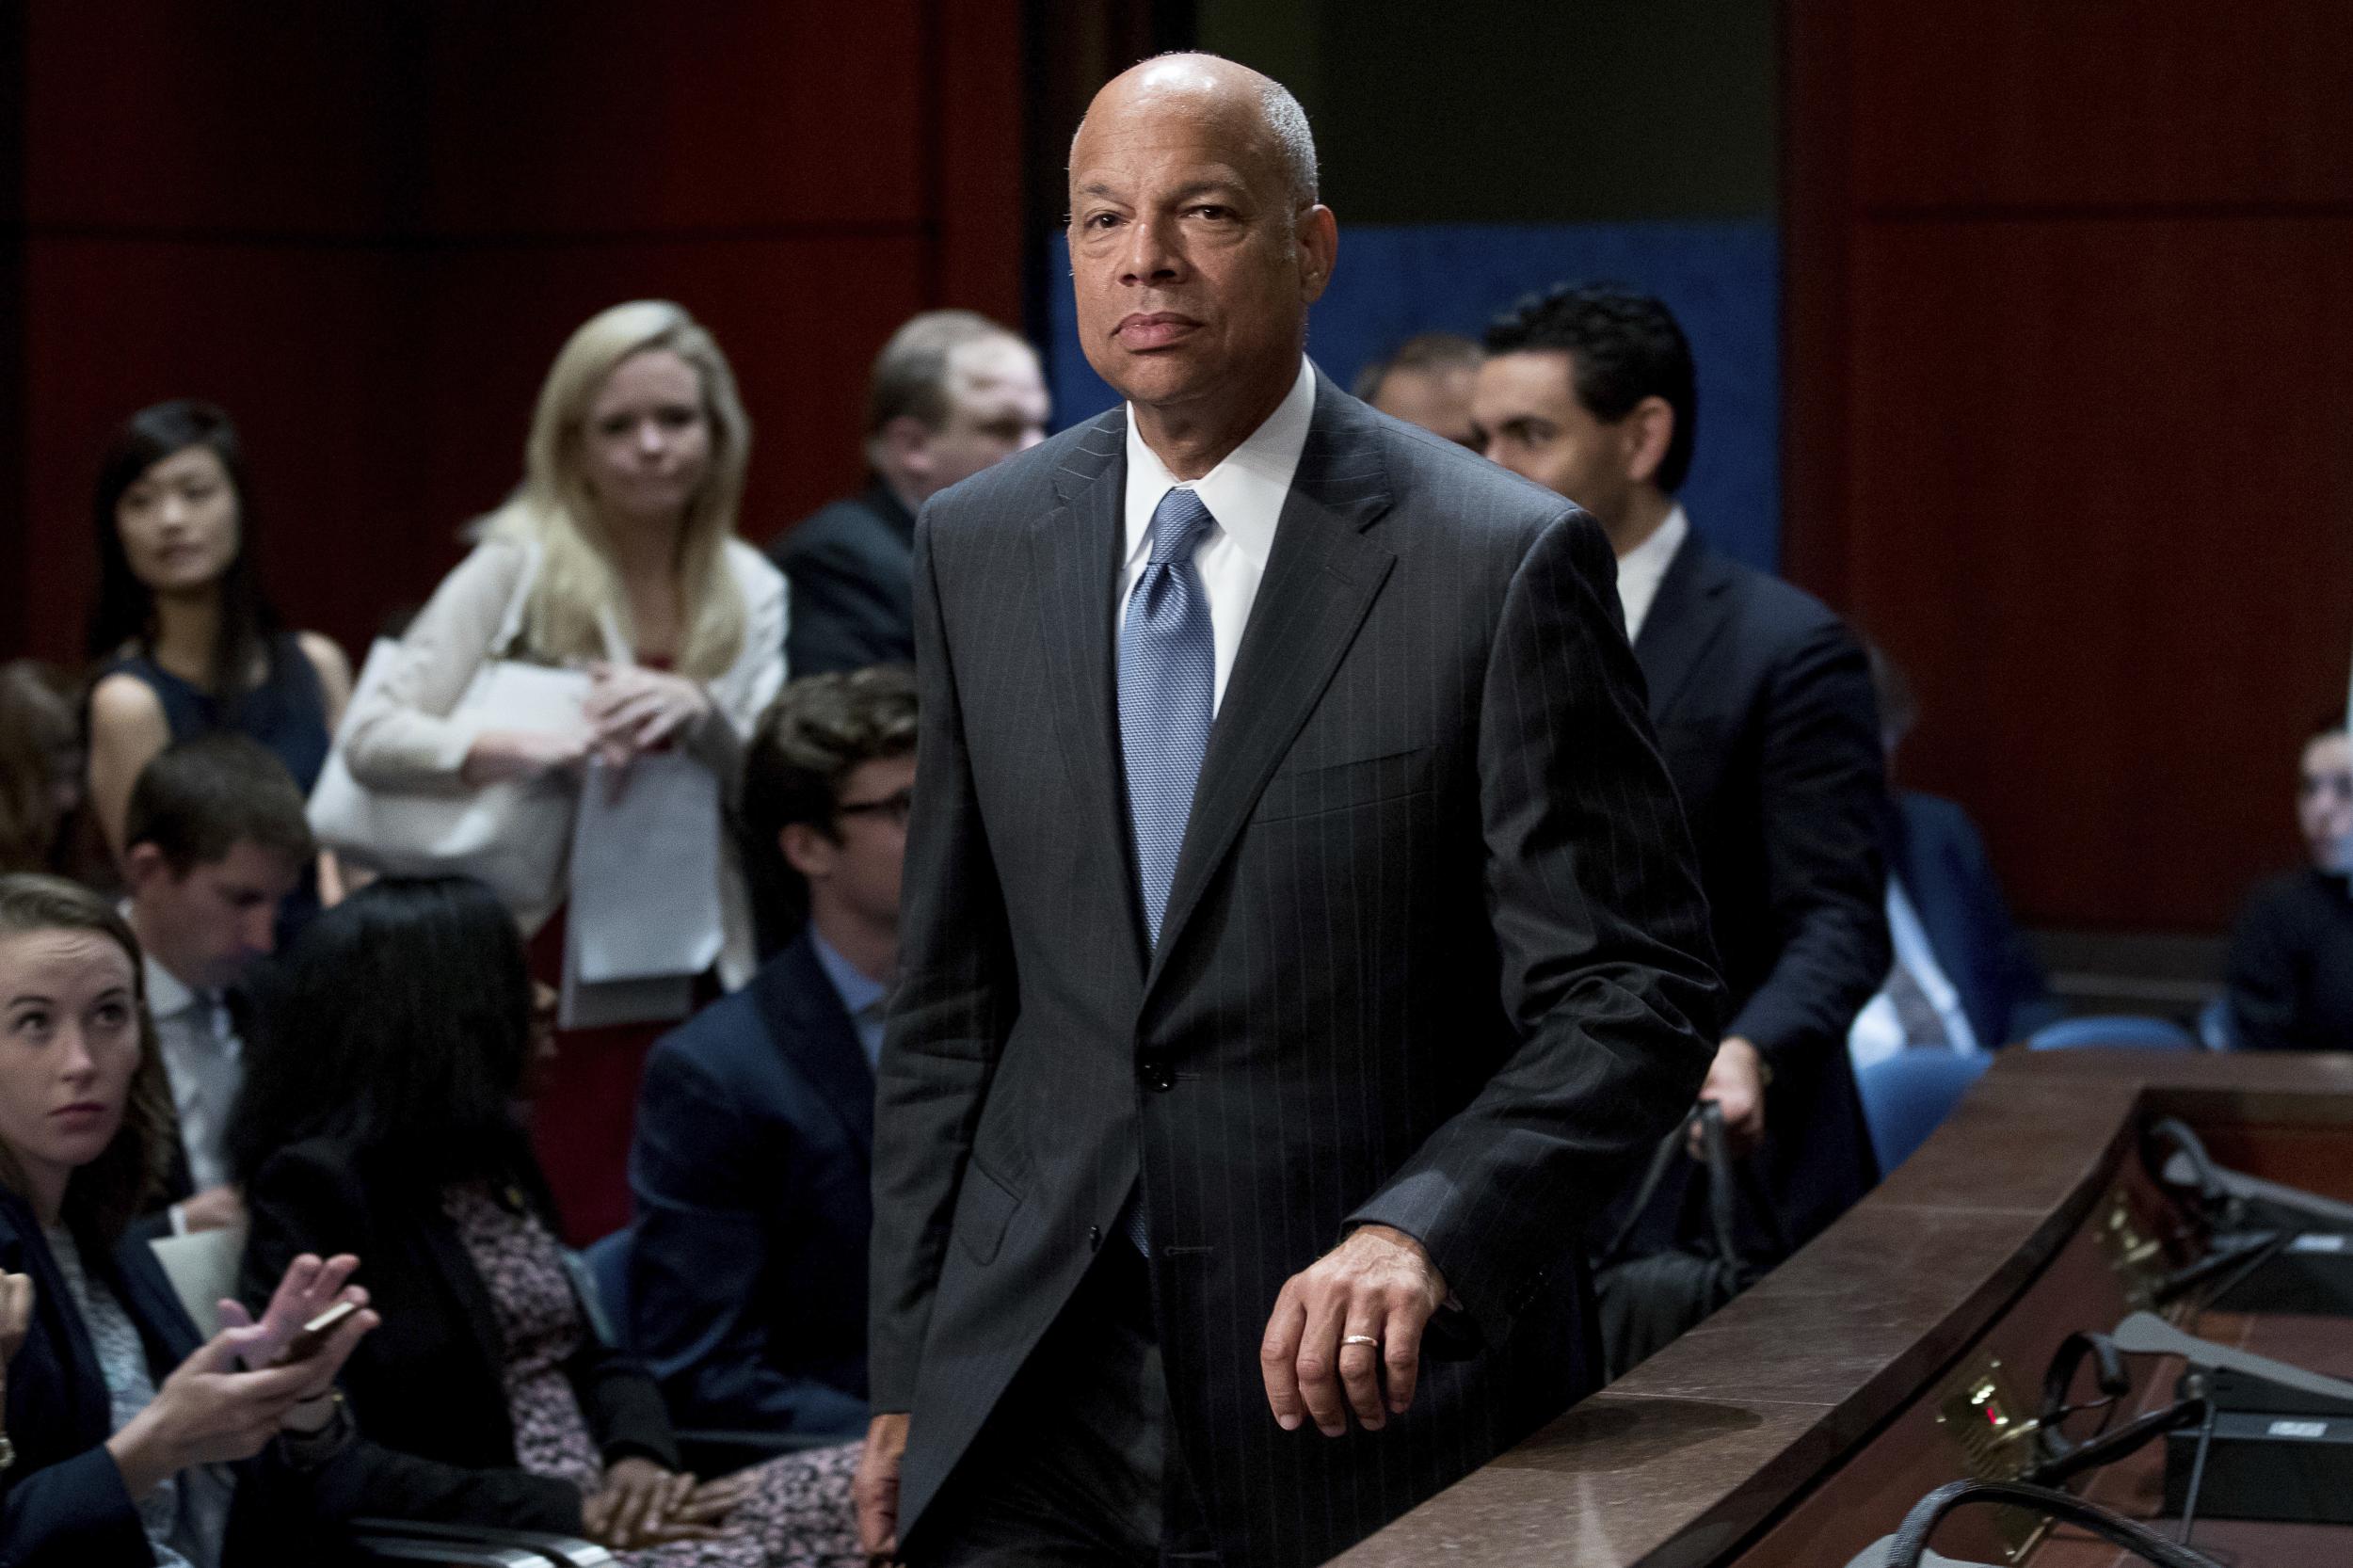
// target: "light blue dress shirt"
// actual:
[[861, 997]]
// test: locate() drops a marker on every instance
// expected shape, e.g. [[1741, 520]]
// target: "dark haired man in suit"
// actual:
[[1762, 702], [1300, 936], [755, 1123]]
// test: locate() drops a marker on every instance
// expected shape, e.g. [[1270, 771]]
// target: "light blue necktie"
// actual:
[[1167, 685], [1167, 679]]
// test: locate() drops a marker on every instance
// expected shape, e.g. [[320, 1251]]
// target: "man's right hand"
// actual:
[[1736, 1082], [877, 1488]]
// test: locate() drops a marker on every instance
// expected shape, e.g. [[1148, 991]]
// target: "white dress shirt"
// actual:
[[1642, 569], [1878, 1032], [1245, 494], [206, 1062]]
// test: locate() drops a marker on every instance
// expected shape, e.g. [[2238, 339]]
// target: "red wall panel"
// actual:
[[366, 229], [616, 116], [2071, 416], [2104, 103], [240, 116]]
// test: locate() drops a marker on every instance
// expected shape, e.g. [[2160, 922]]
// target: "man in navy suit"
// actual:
[[756, 1121], [1762, 706]]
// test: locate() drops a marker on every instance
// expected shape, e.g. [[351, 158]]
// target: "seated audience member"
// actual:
[[1428, 382], [1762, 703], [189, 643], [755, 1126], [950, 394], [398, 1031], [1965, 977], [2290, 978], [42, 822], [216, 841], [135, 1441]]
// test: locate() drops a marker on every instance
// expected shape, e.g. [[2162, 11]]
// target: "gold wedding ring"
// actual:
[[1360, 1339]]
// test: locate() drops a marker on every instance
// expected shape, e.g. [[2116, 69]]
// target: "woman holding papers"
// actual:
[[616, 559]]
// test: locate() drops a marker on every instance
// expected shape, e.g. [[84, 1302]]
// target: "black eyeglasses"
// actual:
[[893, 807]]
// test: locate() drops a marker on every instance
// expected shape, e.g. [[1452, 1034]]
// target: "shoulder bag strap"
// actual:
[[1661, 1159]]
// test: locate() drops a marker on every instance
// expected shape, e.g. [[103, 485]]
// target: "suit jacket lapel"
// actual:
[[1681, 623], [804, 1017], [1076, 550], [1322, 577]]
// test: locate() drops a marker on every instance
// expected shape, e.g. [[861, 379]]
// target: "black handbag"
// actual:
[[1644, 1302]]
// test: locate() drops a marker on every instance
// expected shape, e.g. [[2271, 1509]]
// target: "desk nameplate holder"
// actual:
[[1982, 1416]]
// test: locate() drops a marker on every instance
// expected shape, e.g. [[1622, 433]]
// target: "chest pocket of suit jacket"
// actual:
[[1343, 786], [984, 1208]]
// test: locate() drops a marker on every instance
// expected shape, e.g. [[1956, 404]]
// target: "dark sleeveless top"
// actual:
[[286, 713]]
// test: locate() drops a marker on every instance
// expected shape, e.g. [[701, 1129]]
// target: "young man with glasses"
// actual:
[[755, 1123]]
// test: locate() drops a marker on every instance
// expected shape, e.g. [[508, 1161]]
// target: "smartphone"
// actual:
[[306, 1344]]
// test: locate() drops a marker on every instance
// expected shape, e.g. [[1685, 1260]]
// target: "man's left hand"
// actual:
[[1339, 1325]]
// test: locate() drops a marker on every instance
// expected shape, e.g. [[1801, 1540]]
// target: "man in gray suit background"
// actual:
[[1301, 934]]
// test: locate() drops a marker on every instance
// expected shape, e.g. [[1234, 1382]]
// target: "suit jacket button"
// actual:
[[1155, 1072], [1095, 1238]]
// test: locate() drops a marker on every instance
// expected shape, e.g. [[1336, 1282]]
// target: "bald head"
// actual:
[[1196, 246], [1262, 110]]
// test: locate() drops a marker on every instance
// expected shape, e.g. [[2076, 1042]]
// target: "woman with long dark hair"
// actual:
[[380, 1111], [186, 641], [130, 1440]]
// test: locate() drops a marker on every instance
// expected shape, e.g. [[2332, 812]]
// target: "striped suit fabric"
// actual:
[[1435, 956]]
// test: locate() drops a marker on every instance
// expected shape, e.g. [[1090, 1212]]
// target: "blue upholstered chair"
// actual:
[[2114, 1030], [1908, 1095]]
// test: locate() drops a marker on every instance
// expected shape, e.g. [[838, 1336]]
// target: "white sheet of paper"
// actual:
[[645, 891], [202, 1268]]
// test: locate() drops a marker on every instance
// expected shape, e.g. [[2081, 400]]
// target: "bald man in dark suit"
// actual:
[[1300, 940]]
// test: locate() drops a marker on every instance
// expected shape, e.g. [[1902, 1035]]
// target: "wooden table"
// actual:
[[1797, 1425]]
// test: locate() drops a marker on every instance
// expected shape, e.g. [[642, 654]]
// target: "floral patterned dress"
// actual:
[[797, 1512]]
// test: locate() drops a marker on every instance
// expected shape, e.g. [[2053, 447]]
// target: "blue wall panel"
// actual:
[[1722, 280]]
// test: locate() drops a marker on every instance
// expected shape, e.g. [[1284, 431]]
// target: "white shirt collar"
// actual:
[[1245, 492], [1643, 568]]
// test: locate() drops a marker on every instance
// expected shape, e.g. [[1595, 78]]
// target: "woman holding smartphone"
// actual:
[[154, 1460]]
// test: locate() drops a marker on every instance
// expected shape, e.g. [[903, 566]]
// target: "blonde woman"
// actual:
[[621, 543]]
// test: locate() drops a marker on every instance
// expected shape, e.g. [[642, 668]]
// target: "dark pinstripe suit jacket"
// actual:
[[1435, 956]]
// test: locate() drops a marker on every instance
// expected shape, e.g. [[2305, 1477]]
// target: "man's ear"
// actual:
[[807, 851], [1318, 239], [142, 865], [903, 446], [1650, 429]]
